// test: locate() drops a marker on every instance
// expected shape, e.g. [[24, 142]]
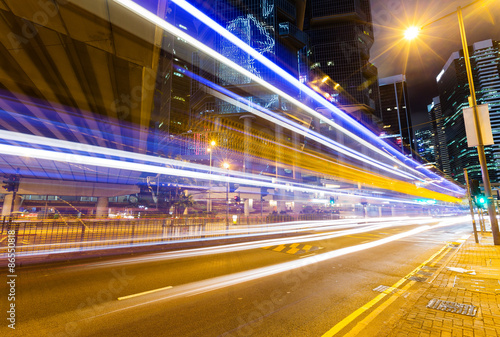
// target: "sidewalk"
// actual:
[[469, 294]]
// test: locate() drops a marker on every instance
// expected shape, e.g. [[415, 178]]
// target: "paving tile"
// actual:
[[422, 321]]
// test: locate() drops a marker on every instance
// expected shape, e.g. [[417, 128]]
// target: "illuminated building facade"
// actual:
[[424, 141], [340, 37], [395, 112], [454, 91], [439, 136]]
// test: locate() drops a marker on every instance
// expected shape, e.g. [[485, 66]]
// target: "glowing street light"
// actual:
[[226, 166], [411, 33], [209, 202]]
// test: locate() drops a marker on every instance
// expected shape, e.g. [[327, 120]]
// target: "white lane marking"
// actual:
[[143, 293]]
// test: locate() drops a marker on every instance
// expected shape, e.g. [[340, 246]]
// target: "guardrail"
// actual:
[[80, 235]]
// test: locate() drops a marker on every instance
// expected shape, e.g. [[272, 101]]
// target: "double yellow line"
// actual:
[[363, 323]]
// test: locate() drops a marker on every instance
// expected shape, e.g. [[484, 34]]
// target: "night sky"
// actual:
[[423, 59]]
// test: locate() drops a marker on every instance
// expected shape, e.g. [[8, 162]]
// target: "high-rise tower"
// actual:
[[454, 92], [340, 37]]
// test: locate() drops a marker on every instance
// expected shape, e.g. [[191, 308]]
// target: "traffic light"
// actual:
[[480, 200], [11, 183], [236, 199], [474, 187], [332, 200]]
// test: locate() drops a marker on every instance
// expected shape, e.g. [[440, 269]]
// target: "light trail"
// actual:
[[195, 12], [137, 9], [138, 167], [229, 248], [238, 101], [221, 282]]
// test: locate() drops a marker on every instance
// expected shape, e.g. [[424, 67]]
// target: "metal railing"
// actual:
[[37, 237]]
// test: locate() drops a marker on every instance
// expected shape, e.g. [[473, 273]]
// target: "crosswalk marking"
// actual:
[[294, 248], [279, 248]]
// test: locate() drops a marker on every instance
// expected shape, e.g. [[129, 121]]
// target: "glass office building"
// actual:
[[454, 93]]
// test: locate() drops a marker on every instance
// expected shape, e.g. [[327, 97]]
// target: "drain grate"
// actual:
[[391, 290], [425, 273], [463, 309], [386, 289], [417, 279]]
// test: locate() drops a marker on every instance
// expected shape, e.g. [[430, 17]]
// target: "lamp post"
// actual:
[[226, 166], [412, 33], [209, 202]]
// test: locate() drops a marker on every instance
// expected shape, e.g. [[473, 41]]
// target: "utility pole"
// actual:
[[469, 196], [480, 147]]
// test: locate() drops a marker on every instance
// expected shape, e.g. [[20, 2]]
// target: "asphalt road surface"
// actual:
[[297, 286]]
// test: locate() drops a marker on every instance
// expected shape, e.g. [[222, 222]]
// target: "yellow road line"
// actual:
[[279, 248], [343, 323], [292, 251], [143, 293], [362, 324], [440, 257], [294, 245], [307, 247]]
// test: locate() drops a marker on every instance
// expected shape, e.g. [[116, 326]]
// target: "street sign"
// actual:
[[484, 123]]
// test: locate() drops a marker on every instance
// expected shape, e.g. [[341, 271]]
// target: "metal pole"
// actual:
[[399, 118], [480, 147], [209, 204], [227, 199], [470, 205]]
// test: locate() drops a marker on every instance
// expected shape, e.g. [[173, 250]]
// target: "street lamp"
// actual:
[[226, 166], [209, 202], [413, 33]]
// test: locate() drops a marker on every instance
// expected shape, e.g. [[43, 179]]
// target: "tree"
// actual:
[[165, 191], [184, 202]]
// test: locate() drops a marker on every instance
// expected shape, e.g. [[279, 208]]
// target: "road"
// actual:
[[299, 286]]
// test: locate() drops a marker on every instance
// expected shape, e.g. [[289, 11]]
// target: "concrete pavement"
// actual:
[[461, 299]]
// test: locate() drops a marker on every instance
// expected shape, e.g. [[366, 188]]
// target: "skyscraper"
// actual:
[[424, 140], [340, 37], [454, 92], [439, 136], [395, 112]]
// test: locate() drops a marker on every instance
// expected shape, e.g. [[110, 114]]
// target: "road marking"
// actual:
[[143, 293], [294, 248], [301, 257], [361, 325], [279, 248], [343, 323]]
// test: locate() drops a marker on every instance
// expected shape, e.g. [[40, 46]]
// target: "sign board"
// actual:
[[484, 123]]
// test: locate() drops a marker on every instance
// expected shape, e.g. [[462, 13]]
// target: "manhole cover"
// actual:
[[457, 308]]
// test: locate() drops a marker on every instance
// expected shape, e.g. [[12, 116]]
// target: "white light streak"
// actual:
[[223, 32], [221, 282]]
